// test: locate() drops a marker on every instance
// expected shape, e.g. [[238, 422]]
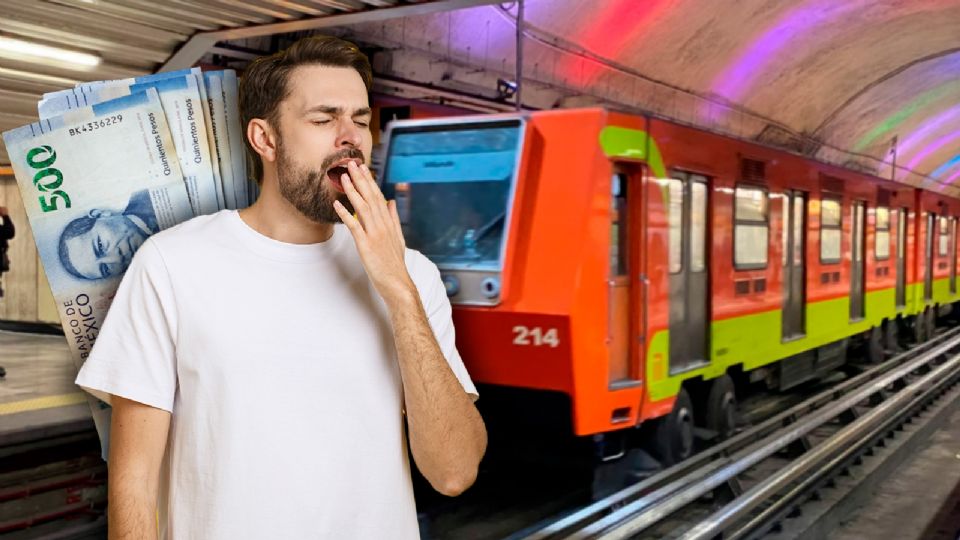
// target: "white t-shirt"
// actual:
[[278, 364]]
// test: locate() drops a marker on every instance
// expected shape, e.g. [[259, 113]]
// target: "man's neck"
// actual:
[[274, 217]]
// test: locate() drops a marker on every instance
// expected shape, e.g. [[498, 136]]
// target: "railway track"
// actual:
[[53, 487], [760, 480]]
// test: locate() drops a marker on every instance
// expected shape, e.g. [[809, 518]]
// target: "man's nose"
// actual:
[[348, 134], [112, 256]]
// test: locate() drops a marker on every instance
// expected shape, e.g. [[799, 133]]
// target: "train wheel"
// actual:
[[891, 337], [722, 407], [919, 328], [875, 353], [673, 434]]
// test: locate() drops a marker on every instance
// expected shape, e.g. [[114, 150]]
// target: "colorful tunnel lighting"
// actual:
[[939, 171], [899, 116], [953, 177], [928, 150], [737, 78], [926, 129]]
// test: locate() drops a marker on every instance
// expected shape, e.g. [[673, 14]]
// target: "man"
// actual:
[[268, 367], [6, 234], [101, 244]]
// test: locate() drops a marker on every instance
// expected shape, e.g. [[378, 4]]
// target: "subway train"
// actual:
[[617, 278]]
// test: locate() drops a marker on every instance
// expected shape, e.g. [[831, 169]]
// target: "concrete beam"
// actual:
[[191, 51]]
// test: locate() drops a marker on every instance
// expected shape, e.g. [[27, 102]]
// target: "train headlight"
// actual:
[[452, 284], [490, 287]]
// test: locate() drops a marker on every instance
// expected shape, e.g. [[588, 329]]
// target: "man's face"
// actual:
[[324, 123], [107, 248]]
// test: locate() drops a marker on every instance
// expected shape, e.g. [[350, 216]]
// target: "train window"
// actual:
[[799, 208], [751, 229], [830, 231], [944, 243], [882, 238], [456, 182], [676, 224], [618, 226], [698, 226], [785, 228]]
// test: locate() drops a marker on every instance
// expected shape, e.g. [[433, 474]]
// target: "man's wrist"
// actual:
[[403, 299]]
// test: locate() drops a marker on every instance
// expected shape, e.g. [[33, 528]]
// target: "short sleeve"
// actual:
[[134, 356], [435, 302]]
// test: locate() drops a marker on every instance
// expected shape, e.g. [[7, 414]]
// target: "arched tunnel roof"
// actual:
[[841, 80], [837, 79]]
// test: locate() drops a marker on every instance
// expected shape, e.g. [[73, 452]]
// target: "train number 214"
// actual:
[[535, 336]]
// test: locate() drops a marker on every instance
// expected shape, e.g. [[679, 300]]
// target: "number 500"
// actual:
[[42, 157]]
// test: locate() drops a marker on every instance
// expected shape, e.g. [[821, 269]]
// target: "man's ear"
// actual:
[[263, 139]]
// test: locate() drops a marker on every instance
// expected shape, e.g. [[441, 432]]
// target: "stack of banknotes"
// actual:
[[110, 163]]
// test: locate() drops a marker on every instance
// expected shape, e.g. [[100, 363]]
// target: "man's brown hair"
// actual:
[[264, 82]]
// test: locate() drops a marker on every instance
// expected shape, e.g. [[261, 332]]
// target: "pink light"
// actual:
[[931, 148], [950, 180], [926, 129], [741, 74], [617, 24]]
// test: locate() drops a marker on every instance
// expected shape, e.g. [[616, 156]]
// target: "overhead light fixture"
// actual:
[[45, 53], [506, 89], [43, 78]]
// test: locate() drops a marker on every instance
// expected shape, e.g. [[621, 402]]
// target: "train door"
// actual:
[[928, 257], [952, 253], [625, 328], [901, 257], [794, 265], [857, 270], [689, 279]]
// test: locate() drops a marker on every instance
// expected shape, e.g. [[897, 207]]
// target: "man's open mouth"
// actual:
[[334, 174]]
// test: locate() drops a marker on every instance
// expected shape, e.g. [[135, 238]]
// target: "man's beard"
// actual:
[[306, 189]]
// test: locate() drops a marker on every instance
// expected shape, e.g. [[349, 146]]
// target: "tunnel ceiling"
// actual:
[[836, 79], [138, 37], [840, 80]]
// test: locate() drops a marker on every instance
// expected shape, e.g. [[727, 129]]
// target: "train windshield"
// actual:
[[453, 184]]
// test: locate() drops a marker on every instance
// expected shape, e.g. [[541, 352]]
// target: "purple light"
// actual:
[[733, 81], [950, 180], [931, 148], [926, 129]]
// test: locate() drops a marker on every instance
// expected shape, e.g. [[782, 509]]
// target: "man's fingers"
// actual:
[[395, 220], [356, 199], [351, 222], [373, 183], [362, 183]]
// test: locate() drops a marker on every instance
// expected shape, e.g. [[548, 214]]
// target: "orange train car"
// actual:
[[610, 272]]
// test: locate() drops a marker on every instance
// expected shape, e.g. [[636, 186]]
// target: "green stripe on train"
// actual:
[[755, 340]]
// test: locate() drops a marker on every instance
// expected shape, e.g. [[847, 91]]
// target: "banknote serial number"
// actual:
[[48, 179], [96, 124]]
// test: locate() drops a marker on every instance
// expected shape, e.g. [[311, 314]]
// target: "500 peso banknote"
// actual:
[[96, 182]]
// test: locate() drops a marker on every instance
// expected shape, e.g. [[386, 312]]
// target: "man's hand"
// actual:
[[377, 234], [446, 434], [3, 211]]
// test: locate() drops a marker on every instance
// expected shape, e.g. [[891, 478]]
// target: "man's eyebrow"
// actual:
[[336, 111]]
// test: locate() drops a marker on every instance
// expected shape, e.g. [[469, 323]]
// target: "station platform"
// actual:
[[38, 398]]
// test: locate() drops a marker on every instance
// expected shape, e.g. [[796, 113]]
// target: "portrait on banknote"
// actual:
[[101, 244]]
